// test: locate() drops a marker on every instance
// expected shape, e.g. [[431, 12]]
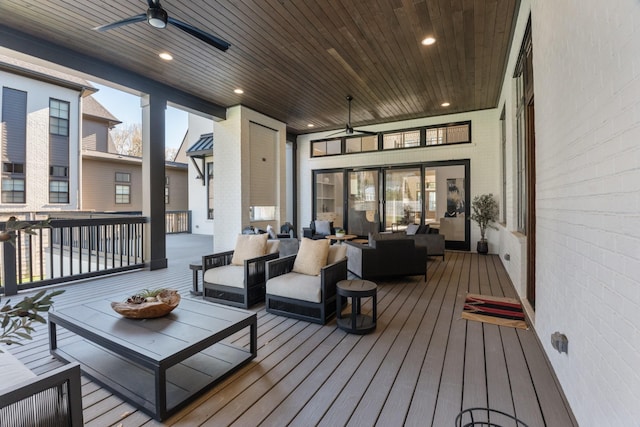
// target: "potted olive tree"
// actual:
[[485, 213]]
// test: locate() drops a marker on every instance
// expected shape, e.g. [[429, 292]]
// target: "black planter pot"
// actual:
[[483, 247]]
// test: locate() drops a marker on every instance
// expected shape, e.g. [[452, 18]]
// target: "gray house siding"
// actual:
[[14, 129], [94, 135]]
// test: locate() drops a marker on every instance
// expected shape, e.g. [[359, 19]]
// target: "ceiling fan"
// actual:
[[157, 17], [349, 130]]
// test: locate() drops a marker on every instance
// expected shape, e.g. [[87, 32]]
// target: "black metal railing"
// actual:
[[71, 249]]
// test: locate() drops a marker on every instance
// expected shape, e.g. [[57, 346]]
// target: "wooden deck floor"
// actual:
[[421, 366]]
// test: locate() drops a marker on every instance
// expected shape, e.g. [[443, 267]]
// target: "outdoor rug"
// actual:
[[495, 310]]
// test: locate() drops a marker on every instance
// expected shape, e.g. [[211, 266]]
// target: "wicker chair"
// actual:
[[280, 274], [236, 285], [52, 398]]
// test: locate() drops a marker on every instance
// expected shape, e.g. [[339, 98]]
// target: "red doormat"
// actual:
[[495, 310]]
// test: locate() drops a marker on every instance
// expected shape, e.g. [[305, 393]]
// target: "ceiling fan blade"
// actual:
[[366, 132], [126, 21], [205, 37]]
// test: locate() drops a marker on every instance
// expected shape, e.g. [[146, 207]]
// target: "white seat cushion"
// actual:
[[296, 286], [228, 275], [13, 371]]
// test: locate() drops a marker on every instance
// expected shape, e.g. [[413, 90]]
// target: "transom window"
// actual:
[[58, 117], [61, 171], [123, 177], [13, 167], [454, 133]]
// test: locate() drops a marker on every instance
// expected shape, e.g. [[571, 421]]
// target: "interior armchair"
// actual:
[[318, 230], [303, 286], [237, 277]]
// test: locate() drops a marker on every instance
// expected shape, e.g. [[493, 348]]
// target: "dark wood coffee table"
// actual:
[[160, 364]]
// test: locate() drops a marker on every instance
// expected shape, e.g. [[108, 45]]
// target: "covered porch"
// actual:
[[421, 366]]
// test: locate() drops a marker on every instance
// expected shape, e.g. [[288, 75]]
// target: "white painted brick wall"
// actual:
[[587, 93]]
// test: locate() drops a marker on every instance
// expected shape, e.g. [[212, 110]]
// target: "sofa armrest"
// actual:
[[255, 268], [330, 275], [280, 266], [43, 385], [216, 260]]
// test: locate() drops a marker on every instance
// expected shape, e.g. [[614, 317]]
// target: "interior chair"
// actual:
[[318, 230], [237, 277], [303, 286]]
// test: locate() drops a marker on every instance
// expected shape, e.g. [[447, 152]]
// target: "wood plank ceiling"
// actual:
[[296, 60]]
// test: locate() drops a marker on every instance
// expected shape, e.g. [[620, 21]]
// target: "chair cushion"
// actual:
[[273, 246], [13, 371], [228, 275], [336, 253], [249, 246], [412, 229], [296, 286], [312, 256], [323, 227]]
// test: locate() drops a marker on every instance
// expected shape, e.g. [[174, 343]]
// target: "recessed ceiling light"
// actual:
[[445, 104], [310, 125], [428, 41], [166, 56], [238, 91]]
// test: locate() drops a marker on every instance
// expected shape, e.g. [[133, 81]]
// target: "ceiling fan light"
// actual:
[[157, 17]]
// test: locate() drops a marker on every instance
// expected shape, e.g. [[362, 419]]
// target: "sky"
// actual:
[[126, 108]]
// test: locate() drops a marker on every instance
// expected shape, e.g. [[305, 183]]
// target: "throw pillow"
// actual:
[[271, 232], [273, 246], [336, 253], [323, 227], [412, 229], [249, 246], [312, 256]]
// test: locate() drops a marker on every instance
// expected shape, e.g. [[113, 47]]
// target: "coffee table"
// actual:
[[159, 365]]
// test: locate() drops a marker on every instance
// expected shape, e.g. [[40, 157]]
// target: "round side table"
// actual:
[[195, 267], [356, 323]]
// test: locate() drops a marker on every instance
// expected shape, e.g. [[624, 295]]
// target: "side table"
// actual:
[[357, 322], [195, 267]]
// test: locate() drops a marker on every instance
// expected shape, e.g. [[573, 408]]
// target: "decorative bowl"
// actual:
[[340, 233], [165, 302]]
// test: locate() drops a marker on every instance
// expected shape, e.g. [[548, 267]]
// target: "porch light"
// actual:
[[310, 125], [238, 91], [445, 104], [166, 56], [428, 41]]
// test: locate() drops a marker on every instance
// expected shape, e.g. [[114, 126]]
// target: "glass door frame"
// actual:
[[466, 163]]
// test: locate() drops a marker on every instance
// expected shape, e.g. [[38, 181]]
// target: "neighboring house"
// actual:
[[41, 133], [197, 151]]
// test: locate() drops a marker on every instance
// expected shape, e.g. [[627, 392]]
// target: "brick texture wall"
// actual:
[[587, 92]]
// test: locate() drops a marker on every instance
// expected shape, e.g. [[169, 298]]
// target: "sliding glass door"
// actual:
[[389, 199], [364, 202], [402, 198]]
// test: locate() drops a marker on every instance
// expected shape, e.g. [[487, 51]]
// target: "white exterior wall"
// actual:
[[197, 192], [231, 174], [483, 151], [37, 147], [586, 62]]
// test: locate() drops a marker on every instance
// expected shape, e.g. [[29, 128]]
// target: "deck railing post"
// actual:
[[9, 265]]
